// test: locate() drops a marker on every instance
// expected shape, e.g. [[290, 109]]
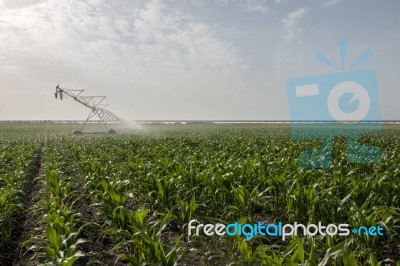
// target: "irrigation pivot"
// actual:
[[97, 105]]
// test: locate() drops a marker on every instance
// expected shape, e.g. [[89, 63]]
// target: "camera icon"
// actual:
[[345, 104]]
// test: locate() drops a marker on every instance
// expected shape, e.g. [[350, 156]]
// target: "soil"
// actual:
[[100, 247]]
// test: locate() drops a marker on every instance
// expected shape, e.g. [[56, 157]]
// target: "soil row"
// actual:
[[10, 253]]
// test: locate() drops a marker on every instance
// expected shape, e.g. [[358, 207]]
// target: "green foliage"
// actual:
[[15, 160], [146, 187]]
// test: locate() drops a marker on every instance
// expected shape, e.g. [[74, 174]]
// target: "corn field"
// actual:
[[127, 199]]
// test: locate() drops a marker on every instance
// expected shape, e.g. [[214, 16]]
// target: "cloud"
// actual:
[[290, 22], [330, 3], [79, 32], [248, 6], [18, 3], [151, 57]]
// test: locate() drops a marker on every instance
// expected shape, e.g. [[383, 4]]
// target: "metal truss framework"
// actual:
[[97, 104]]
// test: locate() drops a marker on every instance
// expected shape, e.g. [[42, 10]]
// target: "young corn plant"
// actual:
[[144, 242]]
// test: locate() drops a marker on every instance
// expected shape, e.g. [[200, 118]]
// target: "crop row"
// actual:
[[16, 161], [56, 237]]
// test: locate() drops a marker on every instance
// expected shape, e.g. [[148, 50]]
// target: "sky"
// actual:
[[187, 59]]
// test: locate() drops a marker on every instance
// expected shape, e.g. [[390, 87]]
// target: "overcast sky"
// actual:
[[186, 59]]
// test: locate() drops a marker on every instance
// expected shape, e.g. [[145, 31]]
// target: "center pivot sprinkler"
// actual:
[[97, 105]]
